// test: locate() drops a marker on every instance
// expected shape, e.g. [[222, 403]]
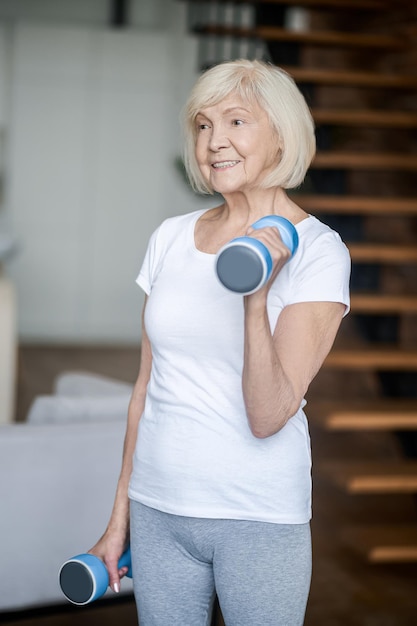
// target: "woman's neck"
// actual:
[[245, 208]]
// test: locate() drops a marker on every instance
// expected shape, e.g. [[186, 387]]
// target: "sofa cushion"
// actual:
[[80, 383], [63, 409]]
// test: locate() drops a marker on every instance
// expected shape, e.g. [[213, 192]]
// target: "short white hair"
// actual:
[[276, 93]]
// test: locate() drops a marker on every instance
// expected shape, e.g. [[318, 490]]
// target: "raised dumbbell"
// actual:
[[85, 578], [244, 264]]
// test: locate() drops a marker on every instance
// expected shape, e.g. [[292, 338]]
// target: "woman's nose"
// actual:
[[218, 139]]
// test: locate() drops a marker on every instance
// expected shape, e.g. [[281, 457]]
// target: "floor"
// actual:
[[346, 591]]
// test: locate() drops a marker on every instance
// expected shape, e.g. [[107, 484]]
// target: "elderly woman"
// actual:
[[214, 494]]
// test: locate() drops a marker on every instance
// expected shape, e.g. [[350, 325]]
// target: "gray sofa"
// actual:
[[58, 478]]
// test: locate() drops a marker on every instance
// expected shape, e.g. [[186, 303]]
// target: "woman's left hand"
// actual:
[[279, 252]]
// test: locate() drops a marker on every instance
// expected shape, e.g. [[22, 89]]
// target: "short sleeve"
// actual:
[[323, 271], [148, 270]]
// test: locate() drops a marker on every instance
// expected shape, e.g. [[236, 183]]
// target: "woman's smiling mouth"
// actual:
[[224, 164]]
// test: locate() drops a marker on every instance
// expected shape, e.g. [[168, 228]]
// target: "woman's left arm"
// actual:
[[279, 367]]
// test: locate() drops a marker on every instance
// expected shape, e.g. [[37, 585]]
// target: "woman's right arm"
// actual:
[[116, 536]]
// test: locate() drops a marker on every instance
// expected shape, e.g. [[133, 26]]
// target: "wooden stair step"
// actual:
[[383, 304], [332, 77], [382, 253], [365, 117], [372, 477], [365, 160], [365, 414], [361, 358], [384, 544], [333, 4], [367, 5], [331, 38], [308, 37], [356, 205]]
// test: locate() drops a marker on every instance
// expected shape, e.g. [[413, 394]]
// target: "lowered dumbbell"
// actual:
[[244, 264], [85, 578]]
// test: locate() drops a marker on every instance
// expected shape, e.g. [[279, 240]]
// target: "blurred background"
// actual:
[[89, 109], [90, 163]]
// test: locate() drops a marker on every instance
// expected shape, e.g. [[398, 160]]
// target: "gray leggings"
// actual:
[[260, 571]]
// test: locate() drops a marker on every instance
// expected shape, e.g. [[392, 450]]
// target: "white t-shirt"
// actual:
[[195, 454]]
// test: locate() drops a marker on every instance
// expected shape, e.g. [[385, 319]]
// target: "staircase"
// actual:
[[356, 63]]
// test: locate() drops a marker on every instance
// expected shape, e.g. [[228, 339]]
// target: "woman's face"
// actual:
[[236, 146]]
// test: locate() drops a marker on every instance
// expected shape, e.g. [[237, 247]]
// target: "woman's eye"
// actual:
[[202, 126], [237, 122]]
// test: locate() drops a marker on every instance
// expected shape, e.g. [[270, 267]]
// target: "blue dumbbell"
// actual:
[[85, 578], [244, 264]]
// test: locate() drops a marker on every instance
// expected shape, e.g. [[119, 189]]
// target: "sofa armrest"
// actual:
[[8, 350]]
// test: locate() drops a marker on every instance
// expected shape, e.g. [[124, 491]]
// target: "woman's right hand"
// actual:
[[109, 549]]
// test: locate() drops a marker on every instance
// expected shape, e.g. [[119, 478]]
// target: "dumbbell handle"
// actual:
[[126, 561]]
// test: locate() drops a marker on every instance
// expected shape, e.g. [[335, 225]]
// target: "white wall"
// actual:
[[143, 13], [92, 138], [3, 74]]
